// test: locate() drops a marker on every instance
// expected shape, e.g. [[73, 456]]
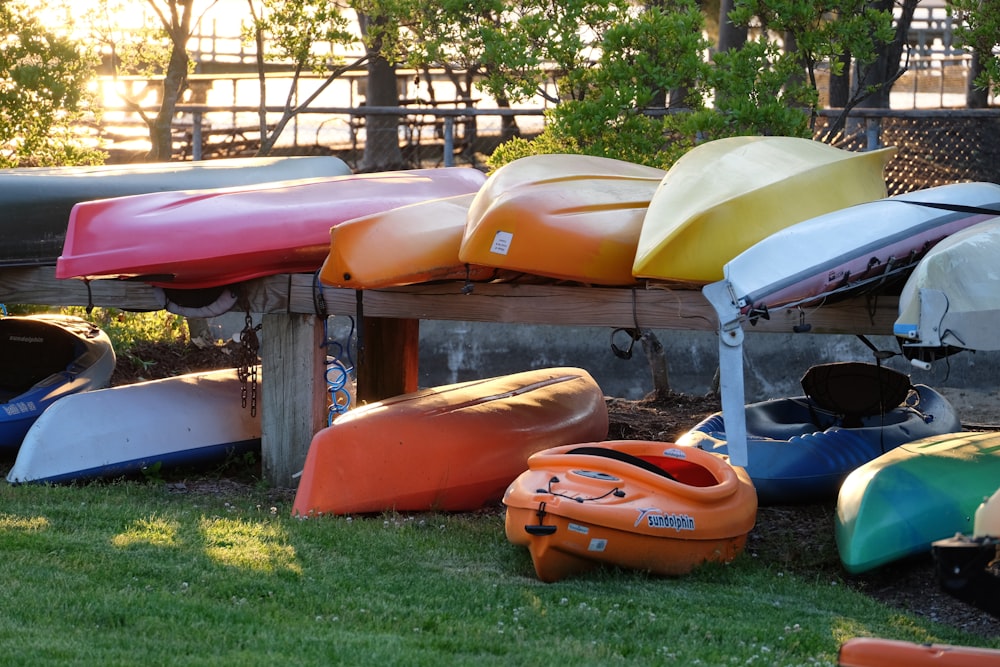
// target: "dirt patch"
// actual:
[[796, 539]]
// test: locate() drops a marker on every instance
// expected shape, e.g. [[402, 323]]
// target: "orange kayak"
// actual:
[[451, 448], [652, 506], [402, 246], [569, 217], [875, 652]]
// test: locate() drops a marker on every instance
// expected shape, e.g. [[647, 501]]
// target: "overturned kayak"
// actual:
[[450, 448], [208, 238], [45, 358], [37, 200], [724, 196], [651, 506], [402, 246], [183, 420], [898, 504], [853, 250], [878, 652], [568, 217], [952, 297]]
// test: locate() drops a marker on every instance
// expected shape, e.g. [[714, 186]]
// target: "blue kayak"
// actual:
[[800, 452], [42, 359]]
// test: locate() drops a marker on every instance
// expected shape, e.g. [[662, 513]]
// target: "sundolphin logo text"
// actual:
[[655, 518]]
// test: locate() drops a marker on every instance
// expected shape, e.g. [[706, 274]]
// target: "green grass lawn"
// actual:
[[136, 573]]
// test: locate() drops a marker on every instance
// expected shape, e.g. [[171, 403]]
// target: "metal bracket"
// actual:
[[719, 295]]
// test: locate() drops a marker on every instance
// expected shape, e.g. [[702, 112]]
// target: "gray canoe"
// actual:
[[35, 202]]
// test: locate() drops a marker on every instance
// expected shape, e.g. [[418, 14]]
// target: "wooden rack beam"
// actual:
[[293, 361]]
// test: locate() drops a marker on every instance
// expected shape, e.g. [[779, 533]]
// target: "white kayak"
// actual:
[[841, 253], [182, 420], [952, 298]]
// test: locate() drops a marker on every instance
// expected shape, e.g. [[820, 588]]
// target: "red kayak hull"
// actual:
[[207, 238]]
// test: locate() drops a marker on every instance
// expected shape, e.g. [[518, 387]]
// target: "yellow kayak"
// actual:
[[410, 244], [569, 217], [724, 196]]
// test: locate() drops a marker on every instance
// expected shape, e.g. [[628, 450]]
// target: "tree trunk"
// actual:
[[382, 151], [178, 28], [976, 98], [508, 124], [886, 69], [653, 349], [161, 128], [731, 36], [840, 85]]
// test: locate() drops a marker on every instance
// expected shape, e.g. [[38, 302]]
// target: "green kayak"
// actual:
[[899, 503]]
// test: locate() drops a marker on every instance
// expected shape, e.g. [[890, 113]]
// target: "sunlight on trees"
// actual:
[[43, 92], [635, 81]]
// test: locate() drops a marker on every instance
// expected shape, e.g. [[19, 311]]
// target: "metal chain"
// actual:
[[247, 363]]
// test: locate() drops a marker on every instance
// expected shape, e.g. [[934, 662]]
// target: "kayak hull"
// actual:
[[450, 448]]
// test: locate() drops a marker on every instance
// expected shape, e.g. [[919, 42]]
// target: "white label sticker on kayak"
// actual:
[[597, 544], [501, 243], [577, 528]]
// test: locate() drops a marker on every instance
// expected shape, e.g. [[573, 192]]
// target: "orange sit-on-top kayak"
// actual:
[[652, 506]]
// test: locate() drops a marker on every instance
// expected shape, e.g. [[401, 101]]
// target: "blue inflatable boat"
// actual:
[[801, 449]]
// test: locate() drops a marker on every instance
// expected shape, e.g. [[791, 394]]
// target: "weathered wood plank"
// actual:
[[38, 285], [393, 367], [678, 309], [293, 401], [294, 393]]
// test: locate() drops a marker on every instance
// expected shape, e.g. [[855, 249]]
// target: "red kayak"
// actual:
[[208, 238]]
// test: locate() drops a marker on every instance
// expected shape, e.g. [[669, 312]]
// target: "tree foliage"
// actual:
[[653, 91], [978, 28], [43, 92], [635, 81], [155, 48]]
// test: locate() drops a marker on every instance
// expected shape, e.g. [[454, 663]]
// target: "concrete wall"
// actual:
[[773, 363]]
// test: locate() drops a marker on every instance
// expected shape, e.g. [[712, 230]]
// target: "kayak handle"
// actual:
[[538, 529]]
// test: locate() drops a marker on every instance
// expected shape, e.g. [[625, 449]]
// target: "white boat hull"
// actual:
[[952, 298], [111, 432], [838, 254]]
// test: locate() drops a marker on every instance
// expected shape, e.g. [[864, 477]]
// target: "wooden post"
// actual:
[[294, 396], [196, 136], [449, 141], [388, 357]]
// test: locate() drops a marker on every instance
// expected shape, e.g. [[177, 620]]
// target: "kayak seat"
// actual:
[[855, 390], [624, 457], [30, 353]]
